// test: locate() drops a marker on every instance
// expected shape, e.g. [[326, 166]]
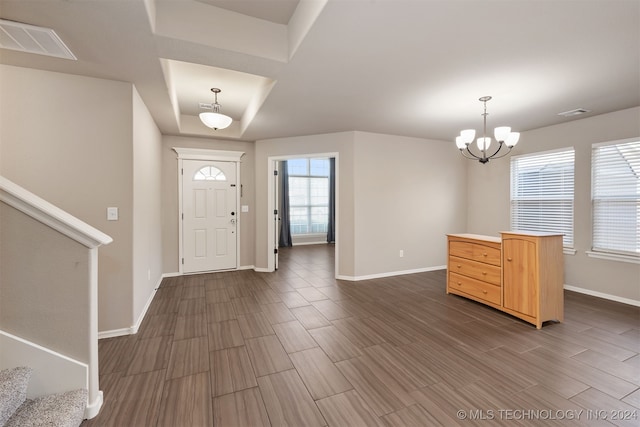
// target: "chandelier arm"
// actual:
[[473, 156], [500, 145], [502, 155]]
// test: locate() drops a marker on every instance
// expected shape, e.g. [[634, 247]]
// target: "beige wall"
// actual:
[[394, 193], [409, 193], [488, 201], [73, 141], [147, 187], [94, 145], [170, 202], [43, 284], [341, 143]]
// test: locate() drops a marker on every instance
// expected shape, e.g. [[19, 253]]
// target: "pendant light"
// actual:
[[215, 119]]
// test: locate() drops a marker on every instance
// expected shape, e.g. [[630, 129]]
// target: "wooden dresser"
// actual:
[[520, 273]]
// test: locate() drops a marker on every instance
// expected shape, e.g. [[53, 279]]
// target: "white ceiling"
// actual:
[[299, 67]]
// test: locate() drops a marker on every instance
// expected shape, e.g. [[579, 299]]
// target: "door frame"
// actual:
[[210, 155], [271, 194]]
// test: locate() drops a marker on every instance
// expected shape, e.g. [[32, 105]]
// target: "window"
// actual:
[[615, 196], [542, 193], [209, 173], [308, 195]]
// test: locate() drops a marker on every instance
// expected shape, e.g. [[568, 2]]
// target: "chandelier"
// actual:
[[215, 119], [504, 136]]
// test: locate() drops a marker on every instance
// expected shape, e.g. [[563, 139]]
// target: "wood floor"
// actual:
[[298, 348]]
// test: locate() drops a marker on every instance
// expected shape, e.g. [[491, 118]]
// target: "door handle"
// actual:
[[233, 220]]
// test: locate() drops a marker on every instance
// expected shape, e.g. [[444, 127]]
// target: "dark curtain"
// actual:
[[331, 226], [285, 229]]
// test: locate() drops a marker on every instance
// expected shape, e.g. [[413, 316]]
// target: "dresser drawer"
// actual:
[[482, 290], [477, 270], [475, 251]]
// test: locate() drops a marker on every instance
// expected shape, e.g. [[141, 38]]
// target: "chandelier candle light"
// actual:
[[215, 119], [503, 135]]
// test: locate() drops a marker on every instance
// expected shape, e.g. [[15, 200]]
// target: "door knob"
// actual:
[[233, 220]]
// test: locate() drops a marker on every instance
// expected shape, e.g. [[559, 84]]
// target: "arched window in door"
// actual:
[[209, 173]]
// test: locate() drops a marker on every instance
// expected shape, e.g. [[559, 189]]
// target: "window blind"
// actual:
[[615, 189], [308, 195], [542, 186]]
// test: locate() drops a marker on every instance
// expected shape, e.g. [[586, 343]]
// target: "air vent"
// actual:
[[206, 106], [575, 112], [32, 39]]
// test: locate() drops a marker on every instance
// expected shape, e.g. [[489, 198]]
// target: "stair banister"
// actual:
[[86, 235]]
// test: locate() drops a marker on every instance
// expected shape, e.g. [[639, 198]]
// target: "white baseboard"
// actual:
[[52, 372], [247, 267], [309, 243], [146, 306], [262, 270], [112, 333], [134, 328], [602, 295], [390, 274], [174, 274]]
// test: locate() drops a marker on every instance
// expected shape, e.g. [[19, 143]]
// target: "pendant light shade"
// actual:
[[215, 120]]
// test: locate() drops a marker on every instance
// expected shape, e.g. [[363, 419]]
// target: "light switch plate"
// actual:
[[112, 214], [245, 208]]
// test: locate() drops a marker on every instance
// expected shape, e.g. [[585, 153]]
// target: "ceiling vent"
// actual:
[[575, 112], [32, 39]]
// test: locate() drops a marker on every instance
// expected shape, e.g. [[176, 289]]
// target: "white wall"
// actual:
[[488, 197]]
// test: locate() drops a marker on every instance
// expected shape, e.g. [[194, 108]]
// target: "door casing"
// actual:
[[209, 155], [272, 162]]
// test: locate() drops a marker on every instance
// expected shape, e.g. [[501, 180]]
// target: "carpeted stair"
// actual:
[[56, 410]]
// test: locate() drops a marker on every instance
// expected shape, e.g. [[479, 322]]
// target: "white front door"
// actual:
[[209, 203]]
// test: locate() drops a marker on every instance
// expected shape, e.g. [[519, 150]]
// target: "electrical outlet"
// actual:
[[401, 253]]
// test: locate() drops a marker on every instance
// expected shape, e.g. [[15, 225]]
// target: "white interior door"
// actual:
[[209, 223]]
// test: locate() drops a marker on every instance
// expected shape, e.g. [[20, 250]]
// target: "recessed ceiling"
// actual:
[[193, 83], [279, 11], [403, 67]]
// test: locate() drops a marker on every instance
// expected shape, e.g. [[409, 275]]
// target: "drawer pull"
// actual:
[[508, 259], [459, 266], [484, 292], [459, 283], [484, 273], [484, 254]]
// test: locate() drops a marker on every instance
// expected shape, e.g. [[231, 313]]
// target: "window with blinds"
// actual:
[[308, 195], [615, 196], [542, 193]]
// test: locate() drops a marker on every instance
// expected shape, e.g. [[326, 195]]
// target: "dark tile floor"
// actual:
[[298, 348]]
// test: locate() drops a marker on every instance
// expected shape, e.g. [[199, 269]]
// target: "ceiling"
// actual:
[[300, 67]]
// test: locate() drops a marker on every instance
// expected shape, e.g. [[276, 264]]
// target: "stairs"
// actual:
[[55, 410]]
